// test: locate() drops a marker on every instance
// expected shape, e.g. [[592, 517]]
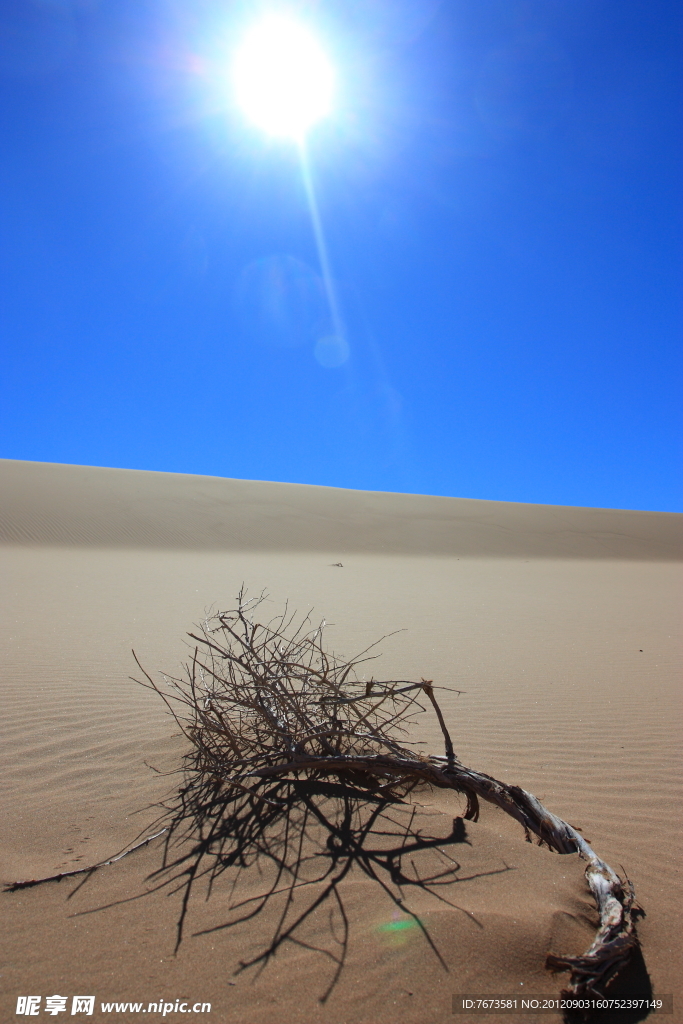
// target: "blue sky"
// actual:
[[500, 188]]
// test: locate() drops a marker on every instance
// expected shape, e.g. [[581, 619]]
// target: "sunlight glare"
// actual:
[[283, 78]]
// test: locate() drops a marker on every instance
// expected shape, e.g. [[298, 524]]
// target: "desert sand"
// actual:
[[561, 626]]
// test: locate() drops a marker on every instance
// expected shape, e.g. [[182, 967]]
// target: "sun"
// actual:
[[283, 79]]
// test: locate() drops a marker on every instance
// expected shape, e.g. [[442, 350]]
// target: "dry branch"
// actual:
[[30, 882], [271, 717], [263, 703]]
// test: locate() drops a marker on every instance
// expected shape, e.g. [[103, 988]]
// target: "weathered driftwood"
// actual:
[[616, 937], [266, 705], [265, 702]]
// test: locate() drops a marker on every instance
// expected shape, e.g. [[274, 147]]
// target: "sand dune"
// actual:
[[85, 505], [561, 625]]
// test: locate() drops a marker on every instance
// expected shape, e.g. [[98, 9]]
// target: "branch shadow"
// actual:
[[303, 838]]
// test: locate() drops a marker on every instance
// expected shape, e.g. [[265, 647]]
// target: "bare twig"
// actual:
[[281, 731], [13, 886]]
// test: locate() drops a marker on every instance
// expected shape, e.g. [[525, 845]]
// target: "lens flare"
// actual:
[[283, 79]]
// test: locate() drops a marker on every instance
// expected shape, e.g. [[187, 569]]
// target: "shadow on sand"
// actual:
[[301, 840]]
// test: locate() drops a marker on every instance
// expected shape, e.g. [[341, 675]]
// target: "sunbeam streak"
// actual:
[[333, 350], [284, 83]]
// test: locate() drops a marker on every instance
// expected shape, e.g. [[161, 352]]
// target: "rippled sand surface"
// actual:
[[562, 628]]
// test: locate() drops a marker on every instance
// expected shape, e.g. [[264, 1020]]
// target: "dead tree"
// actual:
[[268, 712], [266, 702]]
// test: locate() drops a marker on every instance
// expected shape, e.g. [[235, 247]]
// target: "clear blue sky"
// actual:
[[500, 185]]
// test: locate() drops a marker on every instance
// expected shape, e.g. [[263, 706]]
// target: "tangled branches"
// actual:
[[262, 701], [272, 717], [298, 768]]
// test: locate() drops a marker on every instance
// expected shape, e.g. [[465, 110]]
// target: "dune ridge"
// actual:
[[84, 505]]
